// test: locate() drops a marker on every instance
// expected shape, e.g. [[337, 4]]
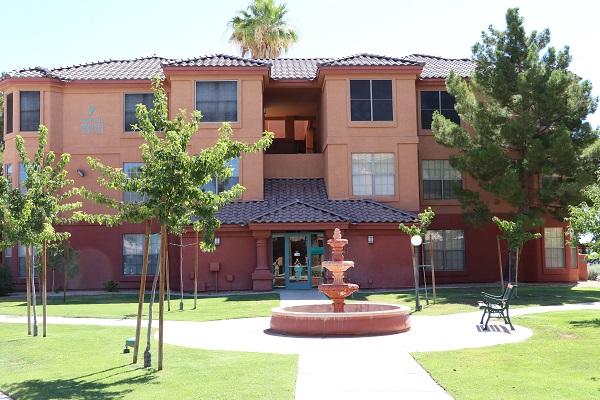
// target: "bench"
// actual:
[[497, 306]]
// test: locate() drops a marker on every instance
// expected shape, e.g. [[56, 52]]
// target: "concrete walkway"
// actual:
[[373, 367]]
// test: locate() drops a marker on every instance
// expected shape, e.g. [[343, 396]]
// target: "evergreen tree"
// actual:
[[528, 111], [584, 219]]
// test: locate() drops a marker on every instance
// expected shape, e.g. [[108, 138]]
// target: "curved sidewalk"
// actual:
[[373, 367]]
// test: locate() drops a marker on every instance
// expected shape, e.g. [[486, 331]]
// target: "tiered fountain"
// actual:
[[357, 318]]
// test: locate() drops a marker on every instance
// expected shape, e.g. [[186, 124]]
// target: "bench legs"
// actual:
[[506, 318]]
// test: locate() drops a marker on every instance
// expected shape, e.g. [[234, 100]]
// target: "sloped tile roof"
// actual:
[[439, 67], [217, 60], [139, 68], [295, 68], [365, 59], [305, 201]]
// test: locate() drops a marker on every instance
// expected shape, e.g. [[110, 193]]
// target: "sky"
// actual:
[[71, 32]]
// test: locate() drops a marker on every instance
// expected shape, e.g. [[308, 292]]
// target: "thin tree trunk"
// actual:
[[147, 354], [517, 272], [142, 291], [44, 286], [161, 300], [181, 271], [500, 264], [432, 268], [28, 284], [33, 300], [196, 273]]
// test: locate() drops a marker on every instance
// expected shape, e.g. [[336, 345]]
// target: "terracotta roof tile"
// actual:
[[365, 59], [217, 60], [439, 67], [305, 201], [295, 68]]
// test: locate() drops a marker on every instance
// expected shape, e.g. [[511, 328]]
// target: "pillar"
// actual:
[[262, 277]]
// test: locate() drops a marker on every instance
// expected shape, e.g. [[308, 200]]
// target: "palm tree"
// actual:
[[261, 30]]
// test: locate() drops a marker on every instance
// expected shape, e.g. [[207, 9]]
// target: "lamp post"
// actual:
[[416, 242]]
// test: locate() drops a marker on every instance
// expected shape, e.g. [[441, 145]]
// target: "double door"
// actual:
[[297, 258]]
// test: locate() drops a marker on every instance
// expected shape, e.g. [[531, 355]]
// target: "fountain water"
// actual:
[[358, 318]]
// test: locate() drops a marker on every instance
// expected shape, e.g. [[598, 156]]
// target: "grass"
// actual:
[[124, 306], [458, 300], [560, 361], [84, 362]]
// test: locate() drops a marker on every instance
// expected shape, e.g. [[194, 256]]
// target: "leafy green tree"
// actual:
[[584, 220], [173, 179], [28, 217], [529, 113], [262, 31]]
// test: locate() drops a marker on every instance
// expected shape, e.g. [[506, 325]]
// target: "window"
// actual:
[[217, 100], [133, 171], [22, 257], [437, 100], [371, 100], [30, 111], [133, 254], [9, 113], [373, 174], [554, 247], [9, 175], [22, 178], [448, 250], [8, 257], [131, 101], [217, 185], [438, 179]]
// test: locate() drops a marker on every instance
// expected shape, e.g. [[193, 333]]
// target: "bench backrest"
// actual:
[[510, 288]]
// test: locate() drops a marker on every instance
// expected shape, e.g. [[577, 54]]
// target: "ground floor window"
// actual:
[[8, 257], [448, 249], [133, 254], [554, 247], [22, 258]]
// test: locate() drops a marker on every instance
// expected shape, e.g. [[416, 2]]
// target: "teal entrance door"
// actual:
[[297, 261]]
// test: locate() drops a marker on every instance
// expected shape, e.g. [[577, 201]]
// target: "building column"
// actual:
[[262, 277]]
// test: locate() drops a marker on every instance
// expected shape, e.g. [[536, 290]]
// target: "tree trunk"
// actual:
[[33, 300], [147, 354], [500, 265], [65, 289], [517, 272], [181, 271], [196, 273], [44, 286], [161, 300], [142, 291], [28, 284], [168, 276], [432, 269]]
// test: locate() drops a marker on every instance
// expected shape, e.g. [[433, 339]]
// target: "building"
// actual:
[[353, 150]]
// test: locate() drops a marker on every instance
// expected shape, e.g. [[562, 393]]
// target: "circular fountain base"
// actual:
[[359, 318]]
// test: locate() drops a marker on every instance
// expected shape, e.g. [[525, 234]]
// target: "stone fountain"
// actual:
[[339, 318]]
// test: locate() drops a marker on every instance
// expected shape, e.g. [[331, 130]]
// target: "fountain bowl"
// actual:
[[358, 318]]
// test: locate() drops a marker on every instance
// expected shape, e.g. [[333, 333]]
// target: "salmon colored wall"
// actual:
[[293, 166]]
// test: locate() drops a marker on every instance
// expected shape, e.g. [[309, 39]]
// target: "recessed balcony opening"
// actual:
[[293, 135]]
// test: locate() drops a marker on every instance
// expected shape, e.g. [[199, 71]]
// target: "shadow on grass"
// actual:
[[81, 389], [589, 323]]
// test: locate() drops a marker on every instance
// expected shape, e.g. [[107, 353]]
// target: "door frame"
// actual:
[[288, 262]]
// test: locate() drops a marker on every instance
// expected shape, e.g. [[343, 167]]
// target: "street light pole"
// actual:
[[416, 242]]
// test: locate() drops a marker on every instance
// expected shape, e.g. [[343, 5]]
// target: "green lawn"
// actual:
[[560, 361], [124, 306], [85, 362], [458, 300]]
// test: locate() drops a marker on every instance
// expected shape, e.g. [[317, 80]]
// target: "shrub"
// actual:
[[593, 272], [7, 284], [111, 286]]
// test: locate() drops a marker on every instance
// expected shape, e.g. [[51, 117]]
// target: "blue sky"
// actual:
[[69, 32]]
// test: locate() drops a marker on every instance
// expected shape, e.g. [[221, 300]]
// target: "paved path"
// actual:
[[373, 367]]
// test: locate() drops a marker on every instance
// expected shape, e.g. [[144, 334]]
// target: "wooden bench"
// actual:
[[497, 306]]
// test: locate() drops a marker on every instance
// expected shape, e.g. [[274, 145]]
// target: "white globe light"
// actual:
[[416, 240]]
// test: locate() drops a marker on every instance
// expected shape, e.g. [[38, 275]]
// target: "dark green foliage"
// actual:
[[529, 113], [111, 286], [7, 284]]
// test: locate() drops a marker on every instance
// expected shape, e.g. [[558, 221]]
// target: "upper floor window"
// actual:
[[438, 180], [22, 177], [218, 185], [133, 254], [371, 100], [554, 247], [30, 111], [373, 174], [9, 175], [448, 249], [437, 100], [133, 171], [9, 113], [217, 100], [131, 101], [22, 256]]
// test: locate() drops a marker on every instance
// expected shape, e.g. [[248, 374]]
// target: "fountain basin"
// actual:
[[359, 318]]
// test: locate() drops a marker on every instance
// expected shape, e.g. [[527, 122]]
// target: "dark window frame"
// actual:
[[132, 262], [439, 188], [372, 100], [440, 103], [9, 113], [443, 254], [129, 116], [216, 106], [29, 110]]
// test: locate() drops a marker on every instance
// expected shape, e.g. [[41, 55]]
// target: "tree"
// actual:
[[528, 111], [584, 220], [1, 121], [29, 217], [173, 181], [61, 256], [261, 31]]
